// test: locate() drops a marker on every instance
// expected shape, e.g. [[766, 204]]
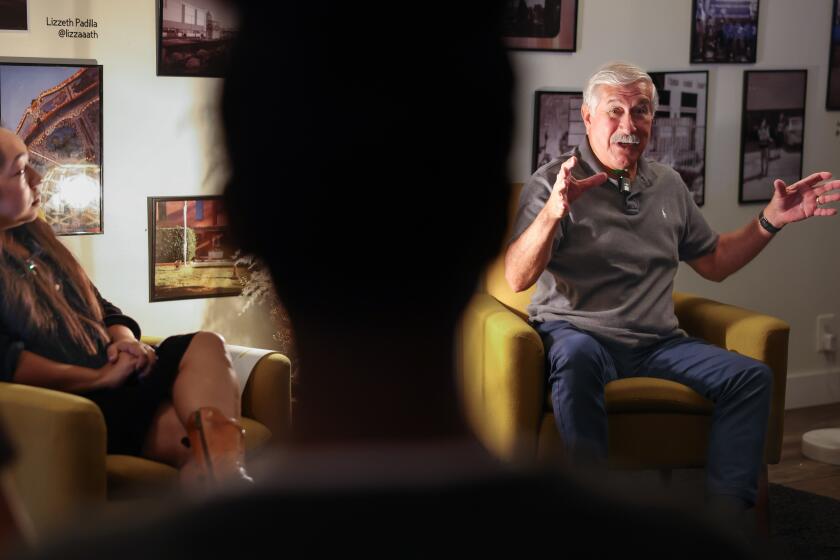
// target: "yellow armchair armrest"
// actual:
[[752, 334], [501, 370], [60, 440]]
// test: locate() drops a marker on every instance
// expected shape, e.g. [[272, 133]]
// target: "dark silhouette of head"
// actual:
[[368, 153]]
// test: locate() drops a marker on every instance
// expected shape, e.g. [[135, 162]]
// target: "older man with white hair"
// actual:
[[601, 231]]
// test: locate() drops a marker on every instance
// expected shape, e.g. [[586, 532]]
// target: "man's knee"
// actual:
[[761, 376], [577, 355]]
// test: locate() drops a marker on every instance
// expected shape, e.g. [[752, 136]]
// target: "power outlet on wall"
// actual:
[[826, 333]]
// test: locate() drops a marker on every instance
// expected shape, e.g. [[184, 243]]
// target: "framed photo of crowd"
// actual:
[[678, 136], [724, 32], [191, 254], [195, 37], [772, 131], [540, 25], [558, 125], [832, 98], [56, 109]]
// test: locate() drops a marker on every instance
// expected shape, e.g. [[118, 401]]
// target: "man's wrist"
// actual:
[[768, 225]]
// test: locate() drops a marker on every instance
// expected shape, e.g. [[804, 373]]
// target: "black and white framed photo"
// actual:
[[13, 16], [191, 252], [678, 136], [724, 32], [540, 25], [558, 125], [57, 111], [195, 37], [772, 131], [832, 98]]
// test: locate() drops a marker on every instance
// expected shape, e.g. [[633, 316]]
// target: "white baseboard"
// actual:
[[812, 388]]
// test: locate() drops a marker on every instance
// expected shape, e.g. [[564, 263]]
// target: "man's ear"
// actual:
[[586, 115]]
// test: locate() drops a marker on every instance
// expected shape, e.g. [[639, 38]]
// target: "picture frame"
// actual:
[[678, 134], [724, 33], [191, 254], [14, 15], [540, 25], [558, 125], [194, 37], [56, 109], [832, 96], [772, 131]]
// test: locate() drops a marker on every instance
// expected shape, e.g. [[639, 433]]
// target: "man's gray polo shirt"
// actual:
[[611, 272]]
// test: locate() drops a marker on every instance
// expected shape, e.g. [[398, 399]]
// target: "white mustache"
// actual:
[[624, 138]]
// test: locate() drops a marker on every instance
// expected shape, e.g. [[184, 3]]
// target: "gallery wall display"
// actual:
[[191, 254], [194, 37], [57, 111], [13, 15], [558, 125], [724, 31], [678, 136], [540, 25], [772, 131], [832, 98]]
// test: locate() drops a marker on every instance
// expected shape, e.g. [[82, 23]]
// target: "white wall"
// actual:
[[160, 139], [798, 276]]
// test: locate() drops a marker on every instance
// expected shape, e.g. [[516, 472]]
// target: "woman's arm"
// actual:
[[39, 371]]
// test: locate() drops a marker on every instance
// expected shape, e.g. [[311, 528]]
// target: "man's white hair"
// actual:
[[617, 74]]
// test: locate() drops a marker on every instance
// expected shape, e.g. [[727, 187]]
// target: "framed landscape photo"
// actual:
[[832, 98], [540, 25], [558, 125], [195, 37], [724, 32], [191, 254], [13, 15], [678, 136], [57, 111], [772, 131]]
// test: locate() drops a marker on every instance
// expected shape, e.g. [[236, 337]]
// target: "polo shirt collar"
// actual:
[[643, 170]]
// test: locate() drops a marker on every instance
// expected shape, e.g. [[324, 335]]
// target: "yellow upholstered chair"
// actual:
[[62, 464], [653, 423]]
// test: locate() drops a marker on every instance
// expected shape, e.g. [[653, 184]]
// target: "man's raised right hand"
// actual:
[[567, 189]]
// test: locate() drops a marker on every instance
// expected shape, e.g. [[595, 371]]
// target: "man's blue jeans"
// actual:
[[579, 366]]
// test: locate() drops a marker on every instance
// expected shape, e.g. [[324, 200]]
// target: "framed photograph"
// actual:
[[832, 98], [724, 31], [558, 125], [540, 25], [678, 137], [195, 37], [191, 254], [57, 111], [13, 15], [772, 131]]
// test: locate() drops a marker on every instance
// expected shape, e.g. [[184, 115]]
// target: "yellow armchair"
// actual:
[[62, 464]]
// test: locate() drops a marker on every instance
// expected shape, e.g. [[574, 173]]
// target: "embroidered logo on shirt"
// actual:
[[664, 215]]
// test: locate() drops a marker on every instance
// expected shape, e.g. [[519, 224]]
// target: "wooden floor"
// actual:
[[797, 471]]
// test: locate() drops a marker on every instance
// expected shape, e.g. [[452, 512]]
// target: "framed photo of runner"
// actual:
[[56, 109], [724, 32], [678, 136], [191, 254], [558, 125], [194, 37], [832, 98], [540, 25], [772, 131]]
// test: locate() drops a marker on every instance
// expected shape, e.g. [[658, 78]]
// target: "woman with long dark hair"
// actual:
[[58, 332]]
